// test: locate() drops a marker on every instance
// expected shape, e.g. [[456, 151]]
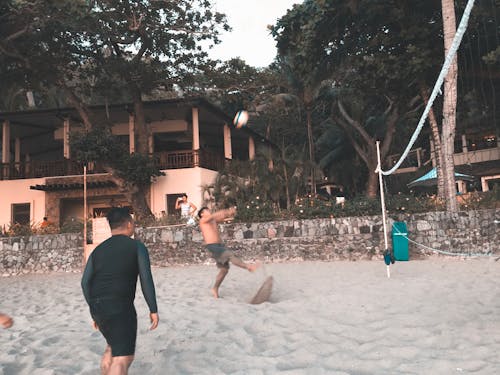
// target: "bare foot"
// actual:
[[6, 321], [253, 267], [215, 292]]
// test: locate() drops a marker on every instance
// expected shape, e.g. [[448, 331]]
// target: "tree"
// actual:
[[303, 64], [105, 49], [449, 108], [358, 45]]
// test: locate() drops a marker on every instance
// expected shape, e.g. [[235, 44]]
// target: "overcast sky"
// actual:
[[250, 39]]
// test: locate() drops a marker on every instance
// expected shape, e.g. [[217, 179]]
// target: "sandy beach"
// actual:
[[434, 316]]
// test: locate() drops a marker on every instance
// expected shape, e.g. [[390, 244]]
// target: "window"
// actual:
[[170, 200], [21, 213]]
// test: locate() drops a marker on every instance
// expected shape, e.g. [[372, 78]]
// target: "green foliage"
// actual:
[[401, 203], [311, 208], [100, 145], [73, 225], [107, 51], [361, 206], [481, 200], [371, 51], [49, 229], [137, 169], [255, 209], [97, 144], [19, 230]]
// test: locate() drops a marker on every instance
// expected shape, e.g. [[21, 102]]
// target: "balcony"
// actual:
[[165, 159], [189, 159], [477, 156], [412, 163], [37, 169]]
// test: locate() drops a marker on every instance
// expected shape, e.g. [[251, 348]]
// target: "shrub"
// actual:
[[72, 225], [18, 230], [255, 209]]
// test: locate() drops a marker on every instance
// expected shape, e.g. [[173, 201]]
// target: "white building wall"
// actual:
[[18, 191], [178, 181]]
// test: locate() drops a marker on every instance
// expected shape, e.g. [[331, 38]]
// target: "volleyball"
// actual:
[[240, 119]]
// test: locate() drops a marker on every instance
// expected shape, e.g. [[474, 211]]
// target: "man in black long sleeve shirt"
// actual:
[[109, 283]]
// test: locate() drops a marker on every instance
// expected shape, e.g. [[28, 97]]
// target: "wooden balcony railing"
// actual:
[[166, 160], [413, 161], [189, 159], [37, 168], [477, 156]]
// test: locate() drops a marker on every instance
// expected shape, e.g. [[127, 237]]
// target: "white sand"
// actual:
[[437, 316]]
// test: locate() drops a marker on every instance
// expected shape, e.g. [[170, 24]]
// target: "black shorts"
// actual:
[[221, 255], [117, 321]]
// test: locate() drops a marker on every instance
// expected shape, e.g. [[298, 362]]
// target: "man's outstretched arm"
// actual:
[[219, 216]]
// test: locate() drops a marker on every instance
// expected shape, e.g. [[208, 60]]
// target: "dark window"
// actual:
[[21, 213], [170, 203]]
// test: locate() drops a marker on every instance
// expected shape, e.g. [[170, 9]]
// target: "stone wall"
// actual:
[[40, 254], [355, 238]]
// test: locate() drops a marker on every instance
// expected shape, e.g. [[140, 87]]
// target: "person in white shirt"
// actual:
[[187, 208]]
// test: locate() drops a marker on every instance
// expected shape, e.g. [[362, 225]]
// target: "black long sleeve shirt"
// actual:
[[112, 269]]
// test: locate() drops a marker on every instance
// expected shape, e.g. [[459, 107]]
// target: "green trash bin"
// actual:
[[400, 240]]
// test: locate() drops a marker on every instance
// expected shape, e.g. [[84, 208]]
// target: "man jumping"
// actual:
[[213, 243]]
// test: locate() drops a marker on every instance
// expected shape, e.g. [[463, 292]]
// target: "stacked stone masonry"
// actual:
[[354, 238]]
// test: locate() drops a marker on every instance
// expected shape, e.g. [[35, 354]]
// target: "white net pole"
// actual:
[[382, 202]]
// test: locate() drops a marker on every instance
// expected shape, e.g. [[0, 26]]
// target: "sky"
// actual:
[[249, 38]]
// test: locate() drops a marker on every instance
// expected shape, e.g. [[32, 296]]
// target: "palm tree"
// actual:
[[449, 107]]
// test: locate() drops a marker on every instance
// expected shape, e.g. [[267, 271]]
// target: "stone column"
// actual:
[[151, 143], [6, 142], [17, 150], [196, 129], [484, 184], [251, 148], [66, 148], [462, 187], [464, 144], [131, 133], [228, 153]]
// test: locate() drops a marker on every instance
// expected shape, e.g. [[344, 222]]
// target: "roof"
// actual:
[[36, 126], [73, 186], [430, 178]]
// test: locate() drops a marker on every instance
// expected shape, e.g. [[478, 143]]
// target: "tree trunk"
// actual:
[[137, 196], [449, 108], [310, 141], [365, 148], [285, 176], [141, 130], [372, 182], [438, 153], [140, 205]]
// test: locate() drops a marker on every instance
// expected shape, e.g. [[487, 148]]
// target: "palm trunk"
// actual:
[[285, 176], [449, 108], [310, 141], [438, 153]]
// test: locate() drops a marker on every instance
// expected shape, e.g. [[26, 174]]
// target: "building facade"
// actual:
[[190, 138]]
